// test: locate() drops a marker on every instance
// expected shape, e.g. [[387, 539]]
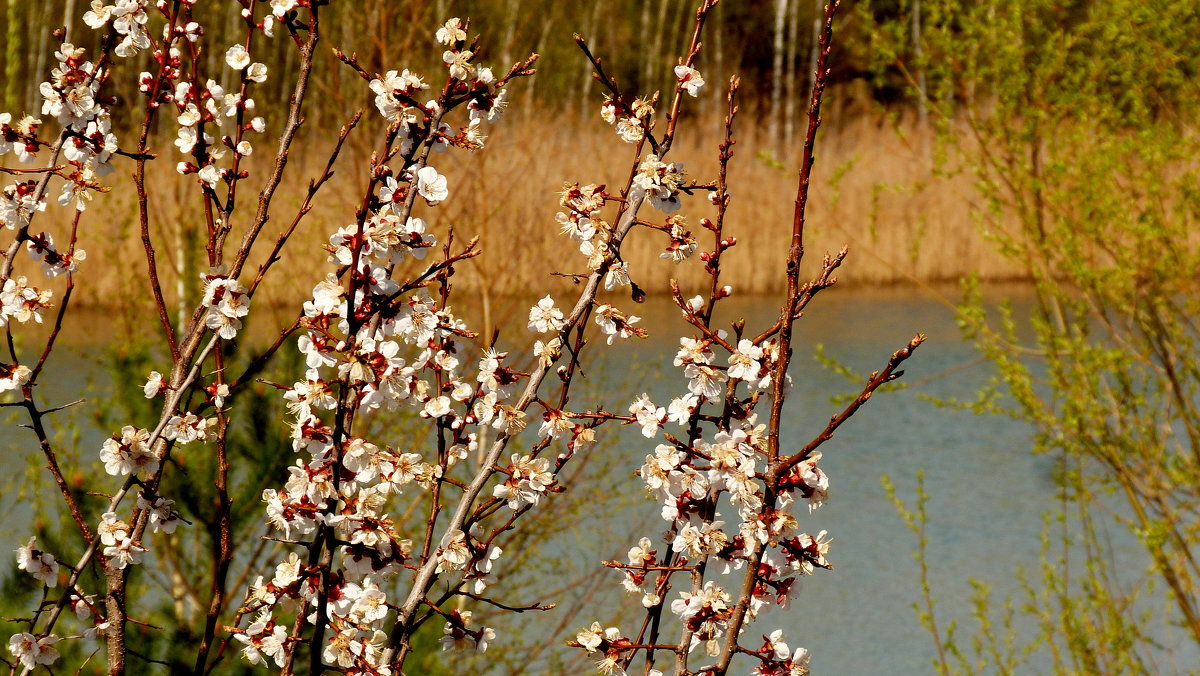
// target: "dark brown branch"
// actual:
[[139, 181], [878, 379], [787, 318]]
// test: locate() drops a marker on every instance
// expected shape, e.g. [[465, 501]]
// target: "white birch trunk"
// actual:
[[644, 33], [34, 102], [717, 91], [777, 83], [512, 10], [531, 82], [790, 67], [585, 84], [12, 57], [922, 113], [69, 20], [653, 60]]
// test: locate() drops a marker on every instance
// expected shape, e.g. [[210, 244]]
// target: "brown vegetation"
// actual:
[[880, 195]]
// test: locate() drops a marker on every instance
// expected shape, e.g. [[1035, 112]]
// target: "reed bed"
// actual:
[[877, 191]]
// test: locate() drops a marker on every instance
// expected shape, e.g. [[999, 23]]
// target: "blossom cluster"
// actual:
[[21, 302], [128, 18], [630, 121], [31, 650], [660, 182], [72, 98], [716, 473], [227, 302], [692, 476], [76, 98], [374, 343], [202, 111]]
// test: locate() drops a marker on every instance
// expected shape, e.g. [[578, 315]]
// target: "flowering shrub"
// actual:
[[379, 337]]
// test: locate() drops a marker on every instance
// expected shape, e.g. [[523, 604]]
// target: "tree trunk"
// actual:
[[531, 82], [12, 52], [777, 84], [654, 58], [790, 68], [585, 86], [32, 105], [719, 80], [512, 10], [642, 35], [922, 113], [69, 20]]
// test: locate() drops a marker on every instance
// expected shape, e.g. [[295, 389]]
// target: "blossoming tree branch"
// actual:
[[378, 338]]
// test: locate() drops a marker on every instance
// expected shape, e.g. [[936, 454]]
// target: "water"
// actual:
[[988, 493]]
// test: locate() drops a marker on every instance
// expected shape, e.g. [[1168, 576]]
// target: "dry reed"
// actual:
[[877, 191]]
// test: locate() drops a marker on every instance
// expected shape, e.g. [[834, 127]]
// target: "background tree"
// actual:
[[1075, 120]]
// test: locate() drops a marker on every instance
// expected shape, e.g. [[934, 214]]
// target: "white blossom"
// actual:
[[451, 32], [545, 317], [690, 78], [237, 57], [431, 185], [257, 72], [37, 563], [32, 651]]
